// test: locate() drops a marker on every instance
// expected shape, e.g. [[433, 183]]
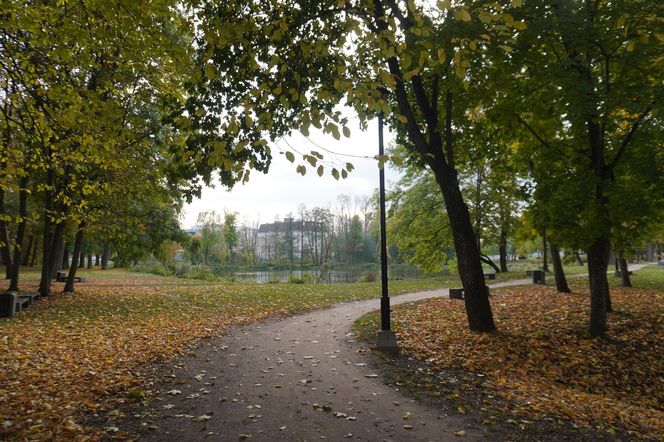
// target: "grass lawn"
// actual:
[[72, 353], [541, 361]]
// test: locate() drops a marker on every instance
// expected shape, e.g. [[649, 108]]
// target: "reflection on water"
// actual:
[[333, 277]]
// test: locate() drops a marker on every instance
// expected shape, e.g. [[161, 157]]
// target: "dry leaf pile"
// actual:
[[544, 361]]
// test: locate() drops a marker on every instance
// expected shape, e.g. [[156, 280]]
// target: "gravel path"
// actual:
[[298, 379]]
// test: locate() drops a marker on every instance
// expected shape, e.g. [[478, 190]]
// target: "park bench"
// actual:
[[12, 303], [62, 277], [456, 293], [22, 302], [490, 275]]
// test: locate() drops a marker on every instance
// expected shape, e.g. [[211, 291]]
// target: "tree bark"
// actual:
[[64, 264], [28, 250], [57, 248], [89, 260], [34, 252], [545, 261], [558, 271], [624, 270], [503, 250], [45, 281], [598, 262], [97, 259], [20, 233], [104, 256], [71, 277], [476, 293], [5, 251], [57, 244], [81, 260]]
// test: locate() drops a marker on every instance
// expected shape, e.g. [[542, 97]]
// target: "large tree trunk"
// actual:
[[624, 270], [476, 293], [558, 271], [5, 251], [81, 260], [503, 250], [71, 277], [20, 233], [104, 256], [598, 263], [57, 248], [89, 260]]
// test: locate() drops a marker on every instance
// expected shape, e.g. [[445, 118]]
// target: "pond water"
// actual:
[[334, 276]]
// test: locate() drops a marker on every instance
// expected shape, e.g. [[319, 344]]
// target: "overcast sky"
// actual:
[[282, 190]]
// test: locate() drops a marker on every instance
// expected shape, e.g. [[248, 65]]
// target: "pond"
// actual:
[[333, 277]]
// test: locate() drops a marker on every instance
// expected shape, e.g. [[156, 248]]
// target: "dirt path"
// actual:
[[299, 378]]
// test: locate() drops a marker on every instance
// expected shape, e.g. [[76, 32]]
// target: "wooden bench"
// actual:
[[490, 275], [456, 293]]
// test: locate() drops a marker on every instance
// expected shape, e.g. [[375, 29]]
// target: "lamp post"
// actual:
[[386, 340]]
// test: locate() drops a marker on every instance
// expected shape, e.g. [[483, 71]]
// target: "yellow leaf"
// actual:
[[462, 14]]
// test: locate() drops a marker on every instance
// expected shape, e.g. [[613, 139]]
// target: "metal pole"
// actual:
[[385, 298], [386, 339]]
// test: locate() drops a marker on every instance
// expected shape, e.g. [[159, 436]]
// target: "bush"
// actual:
[[369, 276], [155, 268]]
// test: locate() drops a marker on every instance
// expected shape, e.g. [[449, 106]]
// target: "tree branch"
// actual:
[[629, 136]]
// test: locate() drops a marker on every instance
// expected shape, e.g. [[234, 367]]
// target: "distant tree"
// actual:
[[230, 234]]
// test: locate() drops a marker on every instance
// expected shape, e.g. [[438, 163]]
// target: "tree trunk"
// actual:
[[71, 277], [45, 282], [81, 261], [558, 271], [104, 256], [651, 252], [579, 260], [5, 251], [545, 261], [34, 252], [20, 233], [598, 262], [28, 250], [503, 250], [97, 259], [624, 270], [64, 264], [57, 246], [478, 308], [89, 260]]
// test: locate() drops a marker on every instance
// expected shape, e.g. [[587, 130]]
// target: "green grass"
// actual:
[[651, 277]]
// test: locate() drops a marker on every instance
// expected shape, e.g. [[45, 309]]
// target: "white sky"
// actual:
[[282, 190]]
